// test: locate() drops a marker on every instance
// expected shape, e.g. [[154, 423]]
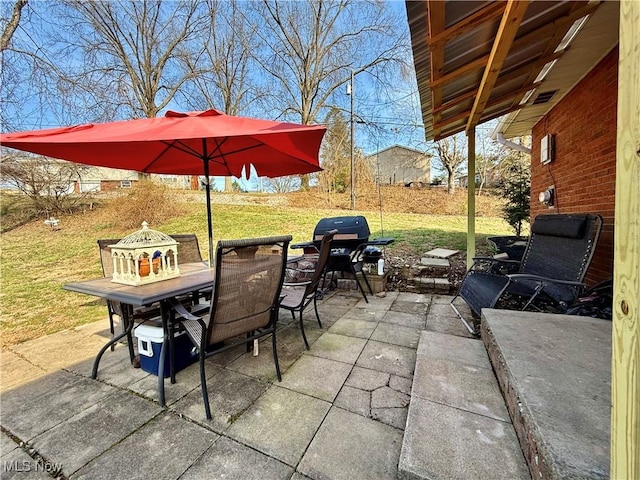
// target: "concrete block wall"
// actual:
[[584, 169]]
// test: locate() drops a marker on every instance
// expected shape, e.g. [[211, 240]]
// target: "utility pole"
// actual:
[[353, 172]]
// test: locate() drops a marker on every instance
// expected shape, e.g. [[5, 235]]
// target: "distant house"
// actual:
[[401, 165], [98, 179], [102, 179]]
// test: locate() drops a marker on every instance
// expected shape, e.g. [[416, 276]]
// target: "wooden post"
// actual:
[[625, 367], [471, 196]]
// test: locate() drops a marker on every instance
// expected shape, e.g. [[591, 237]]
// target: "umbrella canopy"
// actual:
[[206, 143]]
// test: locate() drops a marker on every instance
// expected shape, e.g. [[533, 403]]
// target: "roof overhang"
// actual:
[[477, 61]]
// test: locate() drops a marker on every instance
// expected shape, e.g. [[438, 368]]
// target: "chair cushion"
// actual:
[[569, 226]]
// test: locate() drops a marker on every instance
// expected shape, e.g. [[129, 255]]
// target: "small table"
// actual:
[[193, 277]]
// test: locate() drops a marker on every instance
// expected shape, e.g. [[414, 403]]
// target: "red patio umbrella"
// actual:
[[206, 143]]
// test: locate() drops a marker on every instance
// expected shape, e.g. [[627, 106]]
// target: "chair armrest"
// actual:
[[295, 284], [181, 310], [540, 279], [302, 245], [495, 265], [381, 241]]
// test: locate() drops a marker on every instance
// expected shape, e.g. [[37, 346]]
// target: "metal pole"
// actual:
[[353, 173]]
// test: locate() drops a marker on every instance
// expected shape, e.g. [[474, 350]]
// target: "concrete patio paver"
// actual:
[[316, 376], [404, 319], [230, 394], [162, 449], [445, 381], [428, 453], [16, 370], [339, 412], [116, 416], [281, 424], [30, 415], [17, 464], [340, 438], [353, 328], [388, 358], [230, 460], [397, 335], [45, 352], [338, 347]]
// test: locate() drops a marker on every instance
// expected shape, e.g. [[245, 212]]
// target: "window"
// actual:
[[125, 183]]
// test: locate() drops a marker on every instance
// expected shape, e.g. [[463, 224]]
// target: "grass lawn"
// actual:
[[36, 261]]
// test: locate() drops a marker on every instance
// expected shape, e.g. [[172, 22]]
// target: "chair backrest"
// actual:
[[561, 247], [105, 255], [325, 252], [246, 291], [188, 251], [188, 248]]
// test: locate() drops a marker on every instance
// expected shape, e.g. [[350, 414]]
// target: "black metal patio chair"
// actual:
[[298, 295], [246, 294], [548, 278]]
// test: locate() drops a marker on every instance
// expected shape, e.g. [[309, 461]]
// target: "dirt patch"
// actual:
[[394, 198]]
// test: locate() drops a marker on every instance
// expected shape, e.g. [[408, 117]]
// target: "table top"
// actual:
[[193, 276]]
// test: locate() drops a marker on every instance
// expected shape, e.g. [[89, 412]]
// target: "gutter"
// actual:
[[508, 143]]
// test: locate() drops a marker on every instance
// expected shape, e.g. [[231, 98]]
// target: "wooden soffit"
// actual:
[[479, 60]]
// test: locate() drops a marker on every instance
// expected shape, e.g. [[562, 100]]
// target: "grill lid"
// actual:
[[352, 229]]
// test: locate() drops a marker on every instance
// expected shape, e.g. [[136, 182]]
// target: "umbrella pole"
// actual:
[[209, 222]]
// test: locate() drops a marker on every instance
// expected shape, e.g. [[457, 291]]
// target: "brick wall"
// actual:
[[584, 169]]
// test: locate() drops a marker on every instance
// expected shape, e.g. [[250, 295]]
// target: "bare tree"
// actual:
[[283, 184], [132, 50], [311, 48], [11, 24], [222, 75], [48, 183], [450, 156]]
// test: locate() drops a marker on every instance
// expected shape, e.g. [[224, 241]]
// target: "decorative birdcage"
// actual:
[[145, 256]]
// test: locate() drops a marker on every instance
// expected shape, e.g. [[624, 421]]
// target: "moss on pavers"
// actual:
[[338, 347], [411, 320], [353, 328], [397, 335]]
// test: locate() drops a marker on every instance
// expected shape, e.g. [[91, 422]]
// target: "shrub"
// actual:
[[147, 201]]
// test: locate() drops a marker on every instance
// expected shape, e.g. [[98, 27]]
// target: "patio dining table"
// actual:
[[193, 277]]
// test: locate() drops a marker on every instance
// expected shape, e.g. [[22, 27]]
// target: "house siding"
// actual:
[[584, 169], [400, 165]]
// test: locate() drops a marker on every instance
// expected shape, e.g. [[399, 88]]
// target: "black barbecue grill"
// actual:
[[351, 246]]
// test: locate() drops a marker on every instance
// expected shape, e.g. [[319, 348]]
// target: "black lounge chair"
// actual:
[[549, 276], [246, 295], [300, 294]]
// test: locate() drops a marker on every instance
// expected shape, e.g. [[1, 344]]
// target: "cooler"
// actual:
[[150, 343]]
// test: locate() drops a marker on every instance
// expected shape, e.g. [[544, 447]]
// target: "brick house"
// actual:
[[568, 73], [566, 89]]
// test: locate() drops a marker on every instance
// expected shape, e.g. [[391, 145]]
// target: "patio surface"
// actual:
[[340, 411]]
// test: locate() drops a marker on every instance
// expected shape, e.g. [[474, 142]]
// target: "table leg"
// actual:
[[113, 341], [165, 308]]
